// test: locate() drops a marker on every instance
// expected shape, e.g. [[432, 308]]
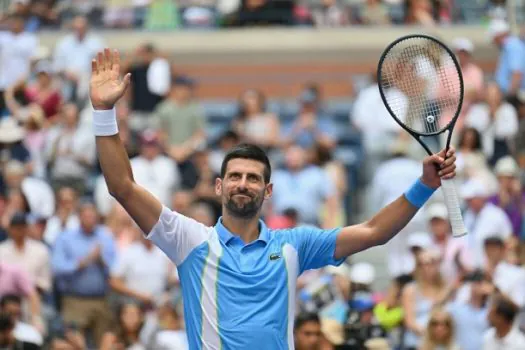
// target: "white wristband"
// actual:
[[105, 122]]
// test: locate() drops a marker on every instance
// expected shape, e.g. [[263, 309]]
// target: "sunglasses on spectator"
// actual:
[[435, 323]]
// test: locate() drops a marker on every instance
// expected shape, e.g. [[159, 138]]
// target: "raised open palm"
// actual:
[[105, 86]]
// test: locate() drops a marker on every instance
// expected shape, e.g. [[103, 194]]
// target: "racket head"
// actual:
[[405, 65]]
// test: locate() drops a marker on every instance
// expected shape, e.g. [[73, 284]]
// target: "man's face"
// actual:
[[243, 189], [494, 252], [308, 336], [13, 310], [17, 232], [439, 227], [88, 218], [476, 203]]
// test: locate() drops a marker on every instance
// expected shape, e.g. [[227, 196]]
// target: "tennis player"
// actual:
[[238, 278]]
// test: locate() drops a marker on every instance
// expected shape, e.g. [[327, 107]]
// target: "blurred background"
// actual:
[[296, 77]]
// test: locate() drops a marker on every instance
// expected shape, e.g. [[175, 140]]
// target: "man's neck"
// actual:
[[476, 302], [503, 330], [245, 229], [19, 244]]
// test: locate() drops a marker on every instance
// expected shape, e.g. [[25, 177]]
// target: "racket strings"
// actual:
[[427, 84]]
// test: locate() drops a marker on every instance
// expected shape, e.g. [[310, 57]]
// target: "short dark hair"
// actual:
[[306, 317], [10, 298], [505, 308], [248, 151], [6, 322]]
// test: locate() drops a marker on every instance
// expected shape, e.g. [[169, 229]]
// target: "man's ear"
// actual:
[[218, 186], [268, 192]]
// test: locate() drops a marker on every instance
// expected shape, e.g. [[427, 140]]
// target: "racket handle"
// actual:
[[454, 210]]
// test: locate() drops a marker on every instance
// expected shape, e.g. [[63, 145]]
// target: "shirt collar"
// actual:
[[226, 236]]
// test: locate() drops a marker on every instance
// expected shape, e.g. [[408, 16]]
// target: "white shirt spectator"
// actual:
[[16, 51], [370, 115], [144, 270], [454, 247], [40, 197], [34, 259], [510, 280], [169, 339], [504, 126], [159, 176], [54, 227], [514, 340], [392, 178], [27, 333], [490, 221], [159, 76]]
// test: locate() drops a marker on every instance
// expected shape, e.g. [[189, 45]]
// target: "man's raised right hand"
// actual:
[[105, 86]]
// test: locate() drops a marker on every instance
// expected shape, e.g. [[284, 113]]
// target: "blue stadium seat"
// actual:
[[339, 110]]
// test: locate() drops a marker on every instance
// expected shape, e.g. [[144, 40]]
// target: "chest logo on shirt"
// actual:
[[275, 256]]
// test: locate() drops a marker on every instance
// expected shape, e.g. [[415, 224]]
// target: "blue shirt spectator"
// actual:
[[511, 59], [82, 258]]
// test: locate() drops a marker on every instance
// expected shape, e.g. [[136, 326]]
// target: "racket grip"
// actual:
[[453, 207]]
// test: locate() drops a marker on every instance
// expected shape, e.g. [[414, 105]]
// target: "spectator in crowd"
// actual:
[[34, 122], [330, 14], [311, 126], [471, 161], [456, 260], [82, 260], [482, 219], [511, 196], [15, 281], [141, 97], [509, 279], [304, 187], [203, 213], [440, 332], [419, 298], [127, 333], [472, 76], [510, 71], [226, 141], [307, 332], [470, 316], [17, 47], [11, 144], [503, 335], [30, 255], [181, 121], [11, 305], [125, 231], [399, 169], [8, 339], [497, 122], [72, 59], [156, 172], [375, 12], [170, 333], [42, 92], [142, 272], [71, 151], [253, 123], [65, 216], [419, 12]]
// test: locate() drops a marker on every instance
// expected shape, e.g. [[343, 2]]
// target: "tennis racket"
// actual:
[[421, 85]]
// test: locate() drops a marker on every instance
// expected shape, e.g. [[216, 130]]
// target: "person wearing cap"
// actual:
[[311, 126], [470, 315], [181, 120], [30, 255], [511, 196], [482, 219], [456, 259], [153, 170], [510, 70]]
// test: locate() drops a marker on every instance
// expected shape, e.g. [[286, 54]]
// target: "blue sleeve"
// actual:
[[516, 54], [62, 263], [315, 247]]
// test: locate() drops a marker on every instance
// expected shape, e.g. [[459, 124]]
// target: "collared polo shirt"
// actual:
[[237, 295]]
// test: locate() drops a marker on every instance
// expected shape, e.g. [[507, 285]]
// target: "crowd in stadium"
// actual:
[[77, 273]]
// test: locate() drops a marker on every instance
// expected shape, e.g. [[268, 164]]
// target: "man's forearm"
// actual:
[[114, 162]]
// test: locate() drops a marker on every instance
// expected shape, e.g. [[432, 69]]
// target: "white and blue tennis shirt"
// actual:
[[240, 296]]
